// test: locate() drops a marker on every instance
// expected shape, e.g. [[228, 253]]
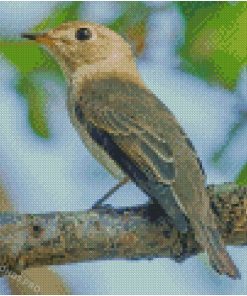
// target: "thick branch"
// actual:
[[141, 232]]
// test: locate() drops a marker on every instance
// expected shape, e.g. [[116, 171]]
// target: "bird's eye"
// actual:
[[83, 34]]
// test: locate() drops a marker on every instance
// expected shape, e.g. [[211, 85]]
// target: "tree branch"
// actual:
[[107, 233]]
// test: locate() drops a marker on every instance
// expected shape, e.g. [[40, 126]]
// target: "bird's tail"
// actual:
[[210, 239]]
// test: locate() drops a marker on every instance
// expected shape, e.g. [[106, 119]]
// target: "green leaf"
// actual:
[[242, 177], [215, 46], [190, 9], [36, 99], [62, 13], [27, 56]]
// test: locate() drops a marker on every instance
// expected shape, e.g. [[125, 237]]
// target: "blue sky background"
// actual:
[[59, 174]]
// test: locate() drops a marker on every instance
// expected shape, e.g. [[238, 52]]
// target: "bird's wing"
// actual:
[[140, 151]]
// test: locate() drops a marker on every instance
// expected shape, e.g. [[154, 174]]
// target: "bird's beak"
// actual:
[[38, 37]]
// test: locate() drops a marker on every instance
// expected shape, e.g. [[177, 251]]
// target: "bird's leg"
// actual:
[[110, 192]]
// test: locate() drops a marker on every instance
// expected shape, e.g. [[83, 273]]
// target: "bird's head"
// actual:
[[77, 44]]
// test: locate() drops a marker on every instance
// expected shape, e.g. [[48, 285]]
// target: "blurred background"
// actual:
[[192, 55]]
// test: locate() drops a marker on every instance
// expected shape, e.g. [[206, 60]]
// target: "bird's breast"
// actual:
[[78, 121]]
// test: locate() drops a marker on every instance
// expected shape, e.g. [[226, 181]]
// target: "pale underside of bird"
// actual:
[[131, 132]]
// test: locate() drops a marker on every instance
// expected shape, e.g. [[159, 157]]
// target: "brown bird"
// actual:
[[131, 132]]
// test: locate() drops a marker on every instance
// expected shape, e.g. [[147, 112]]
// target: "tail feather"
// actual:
[[210, 239]]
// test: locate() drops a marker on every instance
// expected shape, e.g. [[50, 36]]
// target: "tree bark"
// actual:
[[142, 232]]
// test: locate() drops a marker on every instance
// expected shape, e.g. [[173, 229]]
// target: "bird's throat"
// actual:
[[86, 73]]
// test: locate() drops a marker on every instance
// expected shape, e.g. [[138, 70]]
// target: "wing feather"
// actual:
[[141, 150]]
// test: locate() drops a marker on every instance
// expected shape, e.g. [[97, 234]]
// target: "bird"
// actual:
[[131, 132]]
